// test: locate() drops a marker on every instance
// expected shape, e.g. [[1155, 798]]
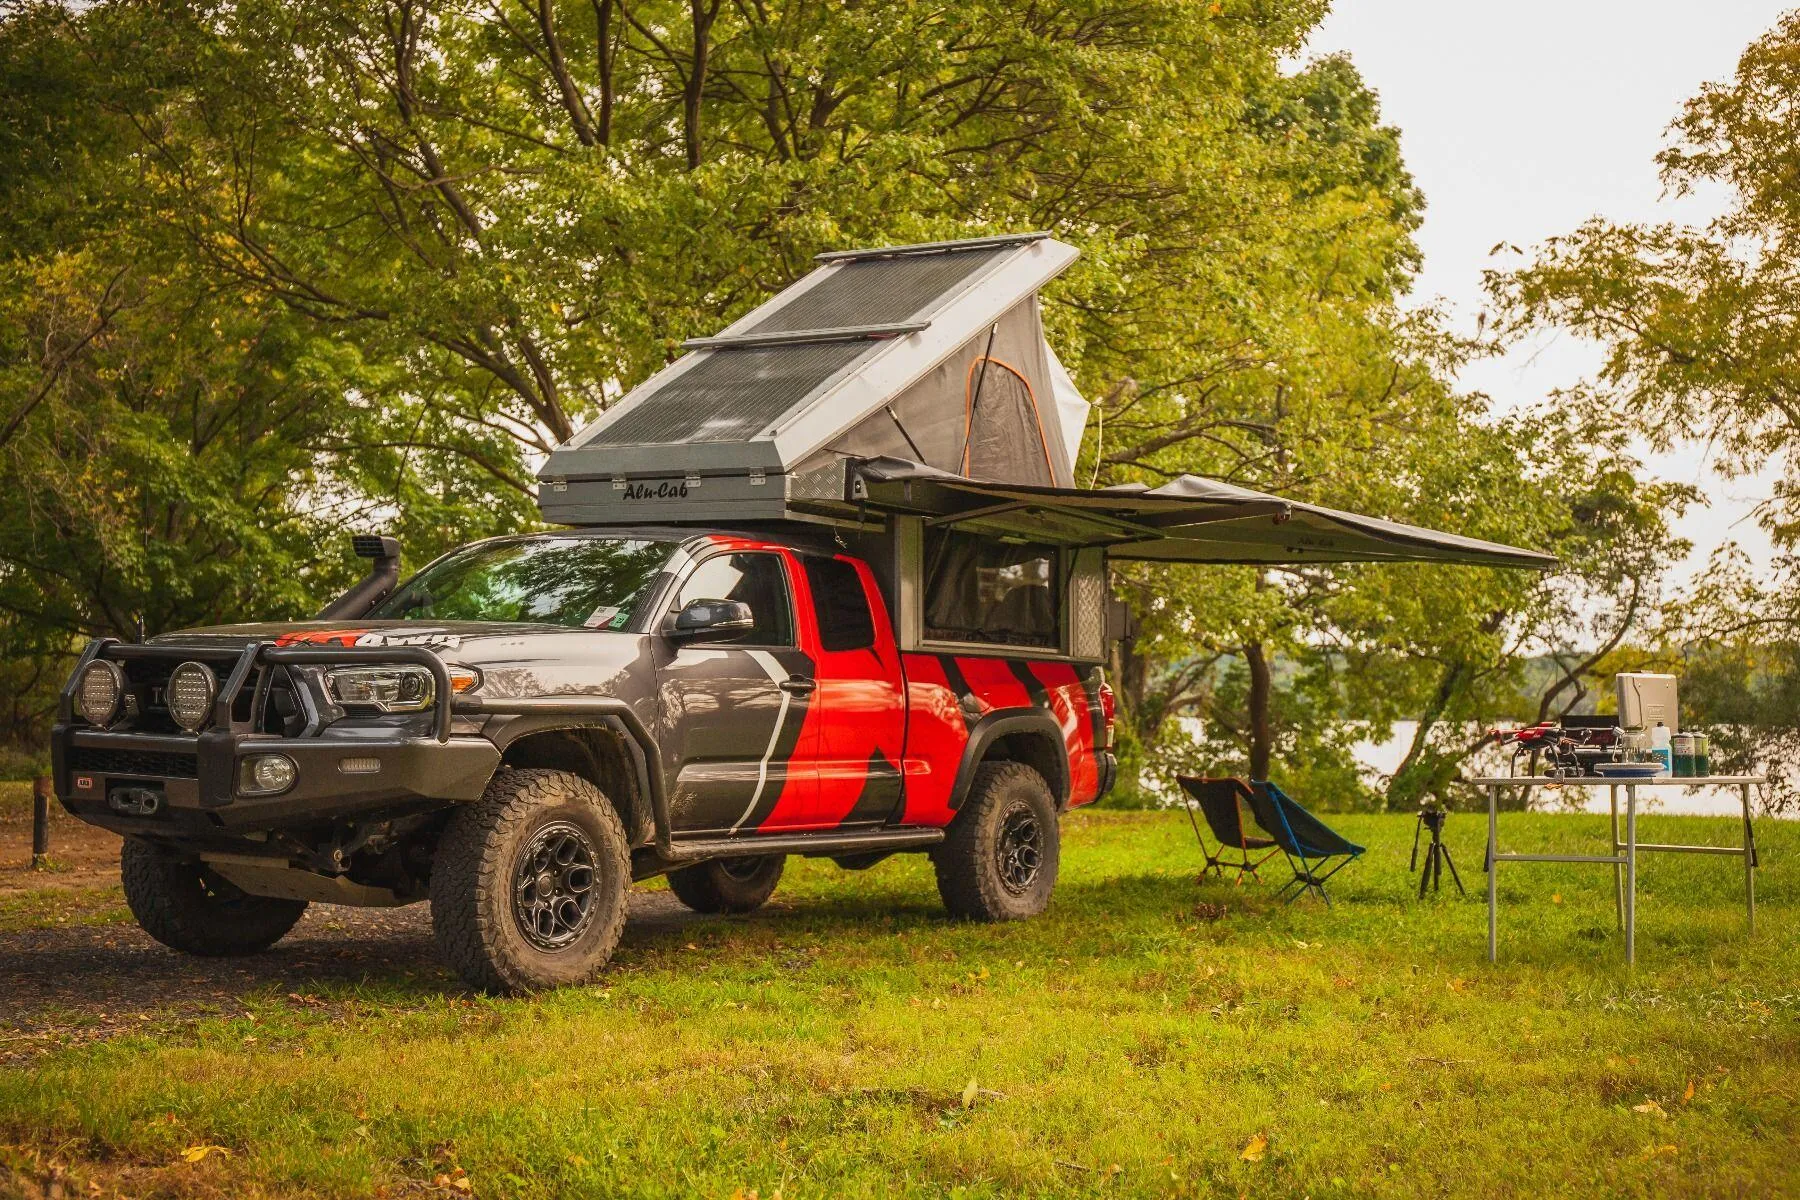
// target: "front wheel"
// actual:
[[188, 907], [528, 886], [728, 885], [998, 860]]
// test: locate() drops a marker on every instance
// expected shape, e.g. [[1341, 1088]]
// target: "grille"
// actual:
[[155, 764], [879, 291]]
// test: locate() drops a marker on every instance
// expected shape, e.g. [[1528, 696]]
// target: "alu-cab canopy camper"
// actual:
[[908, 396]]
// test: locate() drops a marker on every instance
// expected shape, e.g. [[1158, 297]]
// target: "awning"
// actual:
[[1190, 519]]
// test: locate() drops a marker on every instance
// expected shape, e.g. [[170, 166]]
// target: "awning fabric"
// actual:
[[1190, 519]]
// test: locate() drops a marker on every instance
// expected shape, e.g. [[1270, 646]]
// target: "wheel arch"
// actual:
[[601, 750], [1024, 735]]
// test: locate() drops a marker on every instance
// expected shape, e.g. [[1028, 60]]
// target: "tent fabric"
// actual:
[[1190, 519], [987, 411]]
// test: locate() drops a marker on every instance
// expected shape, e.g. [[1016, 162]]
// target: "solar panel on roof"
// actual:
[[879, 291], [731, 395]]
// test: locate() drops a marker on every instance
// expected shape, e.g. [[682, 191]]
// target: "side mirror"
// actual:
[[712, 620]]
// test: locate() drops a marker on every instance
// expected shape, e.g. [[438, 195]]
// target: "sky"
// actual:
[[1520, 121]]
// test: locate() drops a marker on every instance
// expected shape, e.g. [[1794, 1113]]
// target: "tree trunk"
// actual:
[[1261, 737], [1412, 778]]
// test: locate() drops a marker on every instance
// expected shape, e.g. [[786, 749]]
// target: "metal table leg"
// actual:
[[1612, 794], [1749, 863], [1493, 852], [1630, 874]]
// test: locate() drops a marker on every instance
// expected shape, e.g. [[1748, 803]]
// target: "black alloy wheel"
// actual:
[[1019, 850], [553, 886]]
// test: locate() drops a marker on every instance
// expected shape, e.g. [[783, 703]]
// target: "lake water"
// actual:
[[1383, 758]]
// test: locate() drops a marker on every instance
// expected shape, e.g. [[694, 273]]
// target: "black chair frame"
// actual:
[[1216, 820]]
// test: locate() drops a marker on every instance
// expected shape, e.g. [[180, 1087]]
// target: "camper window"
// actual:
[[983, 590]]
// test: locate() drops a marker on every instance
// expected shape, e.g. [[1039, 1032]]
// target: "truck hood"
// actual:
[[515, 659]]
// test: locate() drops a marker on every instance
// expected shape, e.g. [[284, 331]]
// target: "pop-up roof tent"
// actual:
[[914, 382]]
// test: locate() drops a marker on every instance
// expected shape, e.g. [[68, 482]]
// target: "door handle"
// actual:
[[798, 685]]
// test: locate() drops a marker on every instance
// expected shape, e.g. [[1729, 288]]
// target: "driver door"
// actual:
[[734, 710]]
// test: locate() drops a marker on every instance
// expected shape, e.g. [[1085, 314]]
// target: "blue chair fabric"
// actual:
[[1313, 849]]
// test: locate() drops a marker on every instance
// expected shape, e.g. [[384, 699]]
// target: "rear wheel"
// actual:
[[728, 885], [187, 907], [528, 884], [998, 861]]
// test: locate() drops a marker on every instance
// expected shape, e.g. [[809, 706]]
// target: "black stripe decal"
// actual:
[[796, 663], [1091, 679], [965, 697], [880, 795], [1034, 687]]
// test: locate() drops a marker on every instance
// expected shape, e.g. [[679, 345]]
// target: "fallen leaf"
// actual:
[[194, 1154], [1387, 1087], [1689, 1094], [1650, 1107], [968, 1096], [1656, 1151], [1255, 1149], [1556, 897], [1459, 985]]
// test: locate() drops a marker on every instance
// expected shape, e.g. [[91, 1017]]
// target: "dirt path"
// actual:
[[66, 984]]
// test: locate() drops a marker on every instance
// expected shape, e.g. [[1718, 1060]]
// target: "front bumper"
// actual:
[[185, 784], [197, 777]]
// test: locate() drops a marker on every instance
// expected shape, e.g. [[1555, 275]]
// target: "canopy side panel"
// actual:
[[1071, 409]]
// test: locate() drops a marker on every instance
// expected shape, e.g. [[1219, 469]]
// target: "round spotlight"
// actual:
[[191, 692], [102, 687]]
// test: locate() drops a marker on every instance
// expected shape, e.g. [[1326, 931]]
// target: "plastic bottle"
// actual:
[[1659, 745]]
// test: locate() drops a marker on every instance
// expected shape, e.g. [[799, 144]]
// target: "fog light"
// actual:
[[191, 692], [360, 766], [266, 774], [102, 686]]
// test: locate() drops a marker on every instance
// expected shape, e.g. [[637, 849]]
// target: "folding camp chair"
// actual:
[[1302, 837], [1218, 803]]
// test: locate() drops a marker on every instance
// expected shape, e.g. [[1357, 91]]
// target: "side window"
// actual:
[[759, 581], [845, 622], [984, 590]]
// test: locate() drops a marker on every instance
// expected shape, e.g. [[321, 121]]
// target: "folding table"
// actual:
[[1624, 853]]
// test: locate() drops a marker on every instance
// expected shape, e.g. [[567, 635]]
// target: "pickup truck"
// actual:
[[531, 723]]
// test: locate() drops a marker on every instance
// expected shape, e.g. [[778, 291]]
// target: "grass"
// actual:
[[1142, 1039]]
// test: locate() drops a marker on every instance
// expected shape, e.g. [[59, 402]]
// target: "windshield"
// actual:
[[580, 582]]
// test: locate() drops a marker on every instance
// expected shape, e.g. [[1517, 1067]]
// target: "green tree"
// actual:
[[1697, 325]]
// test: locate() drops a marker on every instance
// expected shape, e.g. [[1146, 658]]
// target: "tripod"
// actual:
[[1437, 855]]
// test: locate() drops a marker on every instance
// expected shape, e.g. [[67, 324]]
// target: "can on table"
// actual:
[[1702, 755], [1681, 748]]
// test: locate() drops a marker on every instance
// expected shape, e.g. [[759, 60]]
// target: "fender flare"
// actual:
[[1034, 722], [543, 716]]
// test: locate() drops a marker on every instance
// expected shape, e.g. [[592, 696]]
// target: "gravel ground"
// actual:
[[76, 983]]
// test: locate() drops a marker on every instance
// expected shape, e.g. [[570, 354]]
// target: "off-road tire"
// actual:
[[476, 872], [728, 885], [187, 907], [971, 876]]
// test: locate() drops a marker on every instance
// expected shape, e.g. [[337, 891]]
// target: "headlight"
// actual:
[[191, 692], [102, 687], [266, 774], [385, 689]]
